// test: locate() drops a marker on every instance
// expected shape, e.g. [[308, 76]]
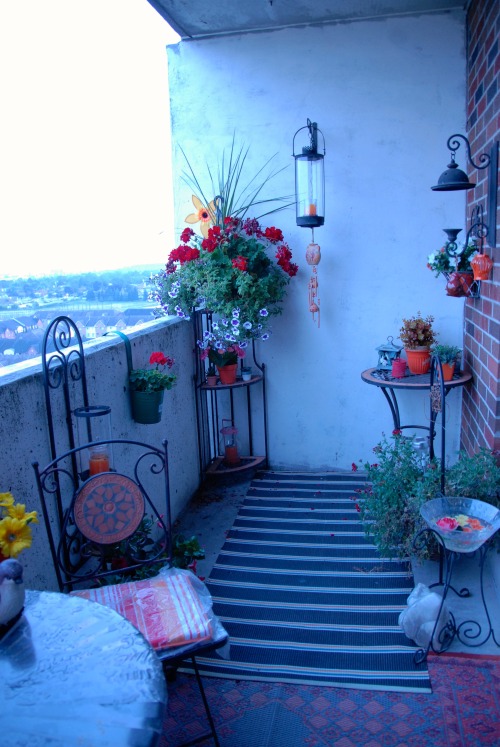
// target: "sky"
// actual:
[[85, 180]]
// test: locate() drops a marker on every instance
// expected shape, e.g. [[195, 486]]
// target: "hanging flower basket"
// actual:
[[147, 407], [459, 284]]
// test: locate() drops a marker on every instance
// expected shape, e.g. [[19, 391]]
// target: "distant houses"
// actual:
[[21, 337]]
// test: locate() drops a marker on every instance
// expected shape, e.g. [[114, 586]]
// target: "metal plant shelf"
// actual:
[[234, 403]]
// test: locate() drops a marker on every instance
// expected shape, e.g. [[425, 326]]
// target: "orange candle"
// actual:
[[312, 209], [231, 455], [98, 462]]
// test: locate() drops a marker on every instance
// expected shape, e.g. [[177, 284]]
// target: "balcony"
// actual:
[[24, 427]]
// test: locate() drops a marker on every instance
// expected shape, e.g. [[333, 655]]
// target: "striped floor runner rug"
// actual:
[[304, 595]]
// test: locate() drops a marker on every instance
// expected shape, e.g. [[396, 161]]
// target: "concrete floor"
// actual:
[[211, 515]]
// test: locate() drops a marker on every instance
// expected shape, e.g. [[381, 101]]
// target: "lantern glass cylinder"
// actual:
[[93, 424], [310, 189]]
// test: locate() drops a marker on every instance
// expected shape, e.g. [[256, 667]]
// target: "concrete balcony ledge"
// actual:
[[24, 431]]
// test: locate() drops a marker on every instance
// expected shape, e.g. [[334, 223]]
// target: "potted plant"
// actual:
[[417, 336], [147, 387], [400, 482], [246, 373], [236, 269], [453, 261], [448, 355], [222, 354], [211, 375]]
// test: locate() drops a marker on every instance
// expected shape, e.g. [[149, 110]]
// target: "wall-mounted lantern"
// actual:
[[453, 179], [310, 201]]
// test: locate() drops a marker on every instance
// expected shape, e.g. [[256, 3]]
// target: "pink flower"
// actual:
[[354, 467], [447, 523]]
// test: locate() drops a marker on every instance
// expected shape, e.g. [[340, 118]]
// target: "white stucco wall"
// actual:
[[386, 94]]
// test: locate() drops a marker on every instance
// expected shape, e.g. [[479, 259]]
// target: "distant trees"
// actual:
[[112, 285]]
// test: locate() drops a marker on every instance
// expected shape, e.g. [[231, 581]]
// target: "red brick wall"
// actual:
[[481, 403]]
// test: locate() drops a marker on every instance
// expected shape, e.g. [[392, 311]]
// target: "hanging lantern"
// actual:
[[310, 180], [310, 202]]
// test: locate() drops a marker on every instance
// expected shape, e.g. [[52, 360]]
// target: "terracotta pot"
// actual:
[[459, 284], [212, 380], [481, 266], [398, 368], [419, 360], [448, 371], [227, 374], [147, 406]]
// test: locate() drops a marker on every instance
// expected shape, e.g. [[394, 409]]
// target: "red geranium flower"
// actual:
[[240, 263], [273, 234]]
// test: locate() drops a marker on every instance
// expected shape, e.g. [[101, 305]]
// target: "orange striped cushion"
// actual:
[[166, 610]]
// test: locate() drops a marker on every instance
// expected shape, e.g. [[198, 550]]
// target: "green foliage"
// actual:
[[390, 506], [442, 262], [476, 476], [185, 552], [446, 353], [399, 483], [153, 379]]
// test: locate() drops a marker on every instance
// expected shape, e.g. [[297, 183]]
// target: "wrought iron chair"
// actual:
[[99, 522]]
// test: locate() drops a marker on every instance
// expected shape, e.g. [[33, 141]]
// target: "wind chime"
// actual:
[[310, 203]]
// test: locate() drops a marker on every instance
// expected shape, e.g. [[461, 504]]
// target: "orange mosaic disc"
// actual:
[[108, 508]]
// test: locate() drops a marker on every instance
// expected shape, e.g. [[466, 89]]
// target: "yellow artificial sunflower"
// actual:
[[6, 500], [18, 511], [15, 536], [204, 215]]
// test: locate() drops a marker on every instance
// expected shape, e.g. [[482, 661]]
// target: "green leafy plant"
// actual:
[[186, 552], [447, 353], [417, 332], [475, 476], [153, 379], [400, 482], [237, 269], [390, 504]]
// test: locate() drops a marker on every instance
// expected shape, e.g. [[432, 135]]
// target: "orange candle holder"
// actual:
[[98, 460]]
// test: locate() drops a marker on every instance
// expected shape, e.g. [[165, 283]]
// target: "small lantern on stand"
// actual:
[[387, 354], [310, 202], [229, 433], [93, 424]]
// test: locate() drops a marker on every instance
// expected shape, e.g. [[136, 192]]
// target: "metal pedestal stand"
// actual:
[[469, 632]]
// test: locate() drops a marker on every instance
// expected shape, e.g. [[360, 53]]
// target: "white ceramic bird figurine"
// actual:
[[11, 590]]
